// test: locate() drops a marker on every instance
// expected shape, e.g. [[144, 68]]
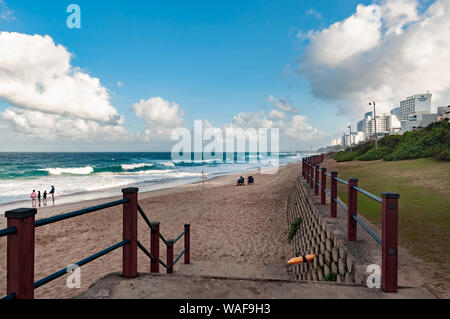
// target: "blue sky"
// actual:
[[214, 59]]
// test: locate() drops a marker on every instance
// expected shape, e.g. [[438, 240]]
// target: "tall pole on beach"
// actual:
[[375, 124]]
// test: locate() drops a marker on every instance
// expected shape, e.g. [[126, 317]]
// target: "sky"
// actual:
[[136, 70]]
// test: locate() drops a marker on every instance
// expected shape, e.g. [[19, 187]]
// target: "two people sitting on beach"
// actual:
[[36, 198], [241, 181]]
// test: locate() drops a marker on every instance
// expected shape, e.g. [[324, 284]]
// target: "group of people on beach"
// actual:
[[36, 198], [241, 181]]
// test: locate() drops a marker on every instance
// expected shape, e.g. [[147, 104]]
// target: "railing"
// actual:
[[156, 236], [389, 205], [21, 245]]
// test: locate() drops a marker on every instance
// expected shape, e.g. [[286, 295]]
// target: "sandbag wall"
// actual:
[[316, 236]]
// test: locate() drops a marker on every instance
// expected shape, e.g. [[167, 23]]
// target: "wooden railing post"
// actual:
[[129, 257], [303, 167], [187, 244], [307, 171], [352, 209], [170, 243], [389, 253], [323, 184], [316, 181], [333, 204], [154, 247], [20, 253], [311, 178]]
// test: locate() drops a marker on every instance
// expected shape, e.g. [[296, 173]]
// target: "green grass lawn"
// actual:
[[424, 204]]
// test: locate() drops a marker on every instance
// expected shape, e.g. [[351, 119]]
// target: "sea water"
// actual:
[[82, 176]]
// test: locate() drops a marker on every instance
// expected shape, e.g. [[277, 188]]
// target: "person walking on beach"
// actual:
[[33, 197], [39, 198], [52, 191], [44, 197]]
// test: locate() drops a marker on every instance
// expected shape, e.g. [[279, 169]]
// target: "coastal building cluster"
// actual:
[[414, 113]]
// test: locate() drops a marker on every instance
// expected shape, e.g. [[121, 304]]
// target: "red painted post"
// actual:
[[307, 172], [187, 244], [154, 247], [170, 243], [311, 179], [323, 184], [389, 252], [316, 181], [333, 204], [129, 257], [20, 253], [352, 209], [303, 167]]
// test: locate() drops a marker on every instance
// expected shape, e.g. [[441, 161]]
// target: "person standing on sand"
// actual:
[[44, 197], [33, 197], [52, 191], [39, 198]]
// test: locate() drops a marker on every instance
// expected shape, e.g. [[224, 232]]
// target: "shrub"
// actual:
[[331, 277], [433, 141], [294, 227]]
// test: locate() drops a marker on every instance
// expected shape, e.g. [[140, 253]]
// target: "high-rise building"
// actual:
[[396, 111], [386, 124], [361, 126], [414, 103]]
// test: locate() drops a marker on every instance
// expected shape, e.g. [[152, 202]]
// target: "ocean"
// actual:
[[84, 176]]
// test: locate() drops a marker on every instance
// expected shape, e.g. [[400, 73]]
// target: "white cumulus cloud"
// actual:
[[384, 52], [160, 115], [36, 74]]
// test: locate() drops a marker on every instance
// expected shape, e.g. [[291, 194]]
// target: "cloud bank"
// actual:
[[48, 95], [384, 52]]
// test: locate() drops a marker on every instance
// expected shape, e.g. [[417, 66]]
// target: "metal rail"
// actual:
[[181, 235], [341, 180], [80, 212], [378, 239], [178, 258], [378, 199], [10, 296], [144, 216], [63, 271], [327, 192], [146, 251], [164, 265], [328, 174], [148, 222], [344, 207], [8, 231]]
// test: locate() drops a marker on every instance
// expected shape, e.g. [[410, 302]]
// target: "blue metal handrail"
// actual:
[[178, 258], [327, 192], [378, 199], [341, 180], [80, 212], [63, 271], [8, 231], [378, 239], [164, 265], [146, 251], [148, 222], [181, 235], [327, 174], [344, 207], [10, 296]]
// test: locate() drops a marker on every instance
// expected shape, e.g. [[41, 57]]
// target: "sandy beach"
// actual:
[[236, 231]]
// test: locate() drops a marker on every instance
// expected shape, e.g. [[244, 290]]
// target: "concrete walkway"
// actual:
[[178, 286]]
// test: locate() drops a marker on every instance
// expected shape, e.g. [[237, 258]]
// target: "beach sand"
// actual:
[[238, 231]]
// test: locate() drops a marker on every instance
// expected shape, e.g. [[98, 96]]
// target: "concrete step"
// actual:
[[183, 286]]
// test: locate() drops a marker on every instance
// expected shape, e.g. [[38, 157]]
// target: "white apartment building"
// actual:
[[386, 124], [414, 103]]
